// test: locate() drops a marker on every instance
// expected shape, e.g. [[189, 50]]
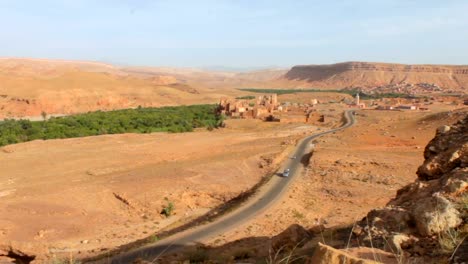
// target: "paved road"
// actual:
[[271, 192]]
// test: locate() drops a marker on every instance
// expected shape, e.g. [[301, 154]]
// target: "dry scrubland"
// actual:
[[350, 173], [84, 196], [93, 193], [90, 194]]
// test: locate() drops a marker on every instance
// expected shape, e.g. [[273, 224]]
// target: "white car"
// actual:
[[286, 173]]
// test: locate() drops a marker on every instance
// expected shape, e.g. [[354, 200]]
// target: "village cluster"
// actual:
[[268, 108], [406, 88]]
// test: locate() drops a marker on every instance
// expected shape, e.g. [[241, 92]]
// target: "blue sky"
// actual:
[[236, 33]]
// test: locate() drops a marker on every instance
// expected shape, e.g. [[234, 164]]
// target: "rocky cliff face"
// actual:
[[365, 74], [428, 217]]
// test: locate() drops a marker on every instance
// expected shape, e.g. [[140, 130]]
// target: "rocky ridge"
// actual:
[[428, 219], [367, 74]]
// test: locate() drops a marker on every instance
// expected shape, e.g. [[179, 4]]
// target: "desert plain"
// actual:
[[83, 197]]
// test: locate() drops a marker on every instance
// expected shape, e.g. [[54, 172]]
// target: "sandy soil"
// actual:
[[87, 194], [351, 172]]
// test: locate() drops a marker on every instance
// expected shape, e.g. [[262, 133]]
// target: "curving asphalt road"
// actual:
[[265, 197]]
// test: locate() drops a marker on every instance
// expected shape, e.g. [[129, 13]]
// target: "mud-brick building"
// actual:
[[263, 107]]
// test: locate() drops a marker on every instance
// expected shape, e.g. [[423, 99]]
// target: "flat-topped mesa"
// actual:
[[369, 74], [371, 66]]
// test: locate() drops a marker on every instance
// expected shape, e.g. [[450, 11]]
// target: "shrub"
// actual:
[[297, 214], [153, 238], [449, 240], [200, 255], [167, 211], [243, 253]]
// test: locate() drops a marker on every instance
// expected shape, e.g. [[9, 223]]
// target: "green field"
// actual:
[[350, 92], [141, 120]]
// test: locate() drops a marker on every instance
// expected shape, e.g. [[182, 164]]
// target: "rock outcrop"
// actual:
[[327, 255], [9, 254], [429, 216], [447, 151], [367, 74], [292, 237]]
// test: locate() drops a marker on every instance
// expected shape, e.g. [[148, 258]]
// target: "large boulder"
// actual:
[[389, 219], [327, 255], [294, 236], [456, 182], [448, 150], [435, 214]]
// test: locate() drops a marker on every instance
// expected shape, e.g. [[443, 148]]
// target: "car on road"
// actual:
[[286, 173]]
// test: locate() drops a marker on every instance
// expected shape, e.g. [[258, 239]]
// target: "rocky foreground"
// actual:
[[428, 218]]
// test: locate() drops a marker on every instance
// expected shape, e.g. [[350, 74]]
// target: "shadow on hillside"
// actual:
[[311, 73], [305, 160], [210, 216], [295, 241]]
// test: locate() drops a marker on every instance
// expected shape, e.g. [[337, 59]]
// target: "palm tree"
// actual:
[[44, 115]]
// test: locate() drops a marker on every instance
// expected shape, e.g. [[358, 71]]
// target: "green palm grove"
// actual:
[[142, 120]]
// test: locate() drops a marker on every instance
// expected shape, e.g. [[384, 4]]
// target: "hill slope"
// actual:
[[366, 74], [30, 86]]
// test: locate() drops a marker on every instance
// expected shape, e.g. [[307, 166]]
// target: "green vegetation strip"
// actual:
[[246, 97], [344, 91], [142, 120]]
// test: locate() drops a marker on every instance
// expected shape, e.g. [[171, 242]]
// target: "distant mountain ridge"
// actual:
[[368, 74], [29, 87]]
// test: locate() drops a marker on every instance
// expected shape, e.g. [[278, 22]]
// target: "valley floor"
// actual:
[[84, 196]]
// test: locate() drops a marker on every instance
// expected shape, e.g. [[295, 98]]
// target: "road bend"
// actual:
[[258, 203]]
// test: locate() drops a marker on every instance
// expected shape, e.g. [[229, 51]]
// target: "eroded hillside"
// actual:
[[30, 87], [366, 74]]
